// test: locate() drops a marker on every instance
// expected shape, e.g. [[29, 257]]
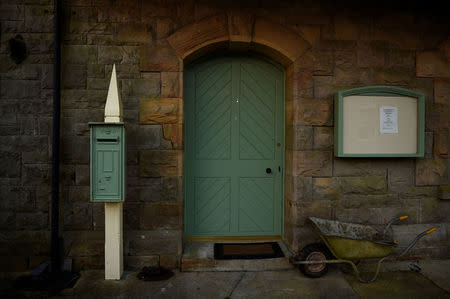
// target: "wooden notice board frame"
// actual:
[[384, 94]]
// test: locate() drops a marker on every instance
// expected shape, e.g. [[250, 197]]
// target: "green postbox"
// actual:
[[107, 167]]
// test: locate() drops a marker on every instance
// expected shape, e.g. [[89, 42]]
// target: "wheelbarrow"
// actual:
[[349, 243]]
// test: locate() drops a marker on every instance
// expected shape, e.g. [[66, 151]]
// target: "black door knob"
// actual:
[[268, 170]]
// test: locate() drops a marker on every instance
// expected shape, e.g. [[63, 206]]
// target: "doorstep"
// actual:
[[199, 256]]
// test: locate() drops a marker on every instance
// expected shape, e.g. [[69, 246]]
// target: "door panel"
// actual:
[[212, 204], [256, 205], [234, 131]]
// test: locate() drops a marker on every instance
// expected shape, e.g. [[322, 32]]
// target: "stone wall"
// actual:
[[25, 133], [150, 41]]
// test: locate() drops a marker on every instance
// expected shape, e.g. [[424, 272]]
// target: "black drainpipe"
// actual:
[[55, 250]]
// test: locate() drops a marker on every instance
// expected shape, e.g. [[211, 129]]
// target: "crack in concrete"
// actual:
[[235, 286]]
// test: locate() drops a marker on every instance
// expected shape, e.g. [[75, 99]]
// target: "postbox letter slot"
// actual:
[[107, 139]]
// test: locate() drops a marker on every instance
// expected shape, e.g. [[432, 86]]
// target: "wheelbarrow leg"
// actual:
[[355, 269]]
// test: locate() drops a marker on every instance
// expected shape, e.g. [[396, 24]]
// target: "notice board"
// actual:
[[379, 121]]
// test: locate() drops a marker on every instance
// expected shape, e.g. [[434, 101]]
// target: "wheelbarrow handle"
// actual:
[[392, 221], [414, 242]]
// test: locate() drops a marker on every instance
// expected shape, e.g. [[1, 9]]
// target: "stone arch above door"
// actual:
[[239, 30]]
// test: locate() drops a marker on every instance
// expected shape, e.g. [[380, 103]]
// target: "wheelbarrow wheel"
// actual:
[[314, 252]]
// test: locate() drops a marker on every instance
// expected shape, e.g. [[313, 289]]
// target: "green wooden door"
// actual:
[[234, 120]]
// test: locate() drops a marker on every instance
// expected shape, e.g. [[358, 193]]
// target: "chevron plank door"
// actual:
[[234, 132]]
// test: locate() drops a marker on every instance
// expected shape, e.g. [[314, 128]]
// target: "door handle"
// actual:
[[268, 170]]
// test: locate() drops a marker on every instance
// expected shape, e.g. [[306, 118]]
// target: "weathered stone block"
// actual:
[[32, 221], [402, 58], [323, 63], [432, 64], [301, 188], [153, 242], [156, 9], [172, 189], [186, 40], [357, 167], [134, 33], [397, 76], [419, 192], [98, 217], [434, 210], [374, 216], [161, 216], [444, 192], [138, 262], [311, 33], [80, 263], [147, 87], [158, 58], [96, 71], [438, 116], [144, 137], [128, 71], [79, 194], [431, 171], [160, 163], [131, 214], [39, 18], [7, 220], [119, 11], [363, 185], [441, 144], [84, 243], [400, 179], [76, 149], [20, 89], [73, 76], [240, 26], [8, 115], [160, 111], [174, 133], [12, 12], [118, 55], [442, 91], [280, 38], [302, 137], [77, 216], [79, 54], [169, 261], [325, 188], [323, 87], [301, 212], [371, 54], [10, 164], [313, 163], [98, 83], [366, 201], [36, 174], [323, 138], [164, 27], [313, 112], [171, 84], [303, 85], [348, 77]]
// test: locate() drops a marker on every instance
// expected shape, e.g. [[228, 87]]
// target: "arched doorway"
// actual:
[[234, 147]]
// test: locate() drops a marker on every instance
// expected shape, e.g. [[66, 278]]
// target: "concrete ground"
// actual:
[[398, 281]]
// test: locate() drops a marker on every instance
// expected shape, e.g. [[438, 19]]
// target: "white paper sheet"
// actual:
[[388, 120]]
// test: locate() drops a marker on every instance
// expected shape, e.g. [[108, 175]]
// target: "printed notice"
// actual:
[[388, 120]]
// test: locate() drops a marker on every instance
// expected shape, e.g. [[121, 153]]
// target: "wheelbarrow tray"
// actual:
[[351, 241]]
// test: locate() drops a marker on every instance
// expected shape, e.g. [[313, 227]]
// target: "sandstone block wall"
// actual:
[[325, 48]]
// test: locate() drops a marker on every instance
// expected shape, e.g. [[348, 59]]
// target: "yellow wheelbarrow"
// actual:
[[349, 243]]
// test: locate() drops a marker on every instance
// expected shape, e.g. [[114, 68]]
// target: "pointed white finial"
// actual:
[[113, 107]]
